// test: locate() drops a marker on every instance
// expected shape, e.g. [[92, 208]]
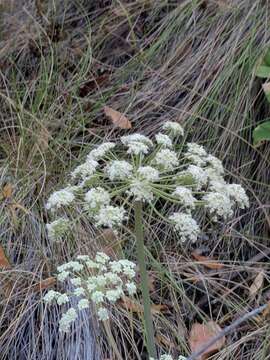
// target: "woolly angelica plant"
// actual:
[[108, 184]]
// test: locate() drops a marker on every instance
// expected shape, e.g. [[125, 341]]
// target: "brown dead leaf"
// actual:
[[207, 262], [257, 284], [4, 263], [7, 191], [136, 307], [118, 119], [44, 284], [200, 334]]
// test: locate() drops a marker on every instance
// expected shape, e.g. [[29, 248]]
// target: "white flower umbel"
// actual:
[[131, 288], [137, 144], [148, 173], [164, 140], [110, 216], [60, 198], [174, 128], [67, 319], [199, 176], [103, 314], [96, 198], [86, 170], [196, 154], [185, 196], [238, 195], [141, 191], [215, 164], [218, 205], [51, 296], [100, 151], [186, 226], [119, 170], [62, 299], [166, 160], [83, 304], [100, 286], [58, 228]]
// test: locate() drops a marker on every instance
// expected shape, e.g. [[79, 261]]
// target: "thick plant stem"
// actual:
[[149, 327]]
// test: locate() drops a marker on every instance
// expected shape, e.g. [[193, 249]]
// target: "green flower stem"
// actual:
[[149, 327]]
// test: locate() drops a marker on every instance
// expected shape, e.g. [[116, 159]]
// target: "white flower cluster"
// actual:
[[186, 226], [185, 196], [137, 144], [173, 128], [61, 198], [164, 140], [95, 198], [100, 151], [101, 282], [166, 160], [110, 216], [148, 173], [57, 229], [169, 357], [119, 170]]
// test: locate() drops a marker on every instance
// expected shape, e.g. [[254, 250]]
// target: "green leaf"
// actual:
[[261, 133], [263, 71], [266, 58]]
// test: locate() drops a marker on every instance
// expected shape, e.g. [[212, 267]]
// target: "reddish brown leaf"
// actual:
[[200, 334], [207, 262], [117, 118], [257, 284], [4, 263]]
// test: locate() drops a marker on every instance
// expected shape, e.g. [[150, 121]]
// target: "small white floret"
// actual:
[[100, 151], [50, 296], [131, 288], [60, 198], [57, 229], [62, 299], [185, 196], [141, 190], [96, 197], [119, 170], [110, 216], [186, 226], [218, 205], [164, 140], [174, 128], [103, 314], [148, 173], [166, 159], [83, 304]]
